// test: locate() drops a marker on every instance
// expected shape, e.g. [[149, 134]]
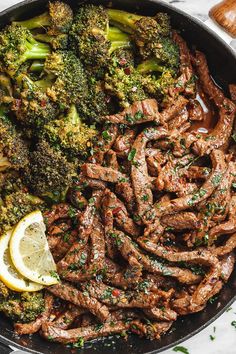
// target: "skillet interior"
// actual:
[[222, 63]]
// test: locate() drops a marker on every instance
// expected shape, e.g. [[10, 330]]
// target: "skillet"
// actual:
[[222, 63]]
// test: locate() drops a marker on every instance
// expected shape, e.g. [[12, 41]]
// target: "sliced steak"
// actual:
[[138, 113], [33, 327], [70, 293]]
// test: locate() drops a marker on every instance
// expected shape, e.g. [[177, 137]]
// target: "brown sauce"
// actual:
[[210, 116]]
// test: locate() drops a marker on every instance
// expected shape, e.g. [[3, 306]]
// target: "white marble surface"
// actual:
[[221, 331]]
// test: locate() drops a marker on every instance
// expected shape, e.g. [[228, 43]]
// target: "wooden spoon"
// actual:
[[225, 15]]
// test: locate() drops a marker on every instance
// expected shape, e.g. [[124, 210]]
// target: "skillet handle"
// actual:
[[4, 349]]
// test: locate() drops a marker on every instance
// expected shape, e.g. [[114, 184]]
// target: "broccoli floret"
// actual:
[[13, 149], [123, 81], [70, 134], [151, 34], [23, 307], [48, 170], [69, 79], [163, 20], [158, 87], [57, 42], [149, 66], [93, 38], [58, 18], [15, 206], [6, 90], [10, 182], [96, 103], [4, 291], [17, 45], [34, 107]]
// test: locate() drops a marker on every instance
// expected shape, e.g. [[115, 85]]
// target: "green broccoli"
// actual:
[[15, 206], [69, 81], [92, 37], [158, 87], [58, 19], [13, 149], [57, 42], [48, 170], [17, 45], [69, 133], [33, 107], [4, 291], [97, 102], [151, 35], [23, 307], [123, 81], [36, 66]]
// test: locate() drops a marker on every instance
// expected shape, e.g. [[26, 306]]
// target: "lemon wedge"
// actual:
[[30, 252], [8, 273]]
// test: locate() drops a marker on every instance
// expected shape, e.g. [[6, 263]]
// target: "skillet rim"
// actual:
[[225, 46]]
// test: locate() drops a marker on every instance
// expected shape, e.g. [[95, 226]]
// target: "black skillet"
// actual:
[[222, 61]]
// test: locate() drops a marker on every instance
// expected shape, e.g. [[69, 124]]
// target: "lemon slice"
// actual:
[[8, 273], [30, 252]]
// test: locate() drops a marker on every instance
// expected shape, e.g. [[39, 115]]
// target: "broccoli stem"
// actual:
[[119, 44], [35, 22], [37, 66], [115, 34], [124, 20], [73, 116], [36, 50], [150, 65]]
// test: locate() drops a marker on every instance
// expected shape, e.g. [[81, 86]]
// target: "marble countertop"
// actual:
[[220, 336]]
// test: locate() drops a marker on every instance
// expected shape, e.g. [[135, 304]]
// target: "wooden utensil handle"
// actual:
[[225, 15]]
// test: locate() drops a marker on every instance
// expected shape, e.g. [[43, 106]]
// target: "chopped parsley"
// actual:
[[217, 179], [181, 349], [233, 324], [106, 136], [131, 154]]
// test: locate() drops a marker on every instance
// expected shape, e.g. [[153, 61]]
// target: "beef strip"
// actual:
[[228, 227], [191, 200], [111, 296], [85, 333], [103, 144], [106, 174], [181, 221], [70, 293], [200, 256], [111, 159], [227, 266], [173, 109], [127, 249], [139, 172], [120, 214], [228, 247], [33, 327], [152, 330], [209, 87], [178, 121], [67, 317], [58, 211], [86, 219], [74, 268], [171, 177], [123, 142], [220, 135], [126, 192], [186, 80], [138, 113], [161, 314], [121, 277]]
